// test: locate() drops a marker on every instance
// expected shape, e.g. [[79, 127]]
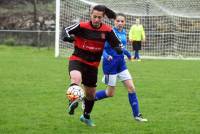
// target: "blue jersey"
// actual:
[[117, 64]]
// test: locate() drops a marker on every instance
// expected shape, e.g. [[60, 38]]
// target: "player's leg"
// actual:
[[109, 80], [102, 94], [133, 100], [134, 46], [138, 49], [76, 78], [136, 54], [89, 80], [89, 103]]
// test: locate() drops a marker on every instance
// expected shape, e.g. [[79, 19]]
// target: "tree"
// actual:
[[35, 12]]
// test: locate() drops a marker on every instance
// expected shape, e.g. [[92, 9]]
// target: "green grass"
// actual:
[[32, 96]]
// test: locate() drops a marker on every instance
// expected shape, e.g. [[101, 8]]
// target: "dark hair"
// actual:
[[121, 14], [106, 11]]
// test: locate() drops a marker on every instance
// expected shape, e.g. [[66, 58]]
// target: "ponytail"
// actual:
[[109, 13], [106, 11]]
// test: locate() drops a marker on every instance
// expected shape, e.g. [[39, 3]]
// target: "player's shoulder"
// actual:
[[106, 27], [133, 26], [84, 24]]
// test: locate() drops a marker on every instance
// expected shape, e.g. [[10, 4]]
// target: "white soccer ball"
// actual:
[[75, 92]]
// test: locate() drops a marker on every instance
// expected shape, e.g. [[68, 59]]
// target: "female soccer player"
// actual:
[[89, 39], [136, 36], [114, 66]]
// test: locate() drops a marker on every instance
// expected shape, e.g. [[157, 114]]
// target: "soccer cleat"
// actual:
[[140, 118], [72, 107], [88, 122]]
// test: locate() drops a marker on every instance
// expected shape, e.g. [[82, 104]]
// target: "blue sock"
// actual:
[[134, 103], [137, 54], [100, 95]]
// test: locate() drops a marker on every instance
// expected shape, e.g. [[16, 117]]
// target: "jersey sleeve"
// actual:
[[69, 32], [105, 54], [114, 42], [130, 35], [113, 39], [143, 33], [127, 53]]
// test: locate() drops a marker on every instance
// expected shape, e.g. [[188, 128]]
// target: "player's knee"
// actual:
[[90, 93], [131, 89], [110, 92], [75, 77], [76, 80], [90, 97]]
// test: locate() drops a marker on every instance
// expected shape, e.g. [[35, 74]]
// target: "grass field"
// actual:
[[32, 96]]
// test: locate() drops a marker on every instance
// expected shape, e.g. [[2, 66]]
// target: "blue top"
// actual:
[[108, 50], [117, 64]]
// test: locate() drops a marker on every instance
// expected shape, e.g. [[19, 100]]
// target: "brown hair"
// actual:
[[106, 11]]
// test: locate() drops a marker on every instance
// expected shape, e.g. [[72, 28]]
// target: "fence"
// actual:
[[27, 37]]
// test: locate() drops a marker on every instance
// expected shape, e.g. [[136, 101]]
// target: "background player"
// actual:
[[136, 36], [114, 66]]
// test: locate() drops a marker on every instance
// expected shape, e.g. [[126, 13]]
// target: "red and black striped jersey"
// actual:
[[89, 41]]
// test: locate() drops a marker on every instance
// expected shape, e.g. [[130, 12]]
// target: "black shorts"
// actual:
[[136, 45], [89, 73]]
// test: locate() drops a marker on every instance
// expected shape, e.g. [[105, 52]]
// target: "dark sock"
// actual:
[[73, 84], [88, 108]]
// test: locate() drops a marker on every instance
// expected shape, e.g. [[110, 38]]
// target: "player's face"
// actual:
[[96, 18], [120, 22], [137, 21]]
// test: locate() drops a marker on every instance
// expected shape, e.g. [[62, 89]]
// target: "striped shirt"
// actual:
[[89, 41]]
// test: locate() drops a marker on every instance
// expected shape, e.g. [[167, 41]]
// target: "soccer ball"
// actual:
[[75, 92]]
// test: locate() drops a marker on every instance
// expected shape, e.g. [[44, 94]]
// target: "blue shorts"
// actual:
[[114, 66]]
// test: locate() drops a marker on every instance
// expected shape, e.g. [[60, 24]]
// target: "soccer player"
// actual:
[[89, 40], [114, 66], [136, 36]]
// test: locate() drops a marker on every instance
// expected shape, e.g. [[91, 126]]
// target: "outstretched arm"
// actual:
[[127, 53], [69, 32]]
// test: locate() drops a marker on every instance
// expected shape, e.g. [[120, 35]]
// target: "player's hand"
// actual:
[[67, 38], [143, 42], [109, 58]]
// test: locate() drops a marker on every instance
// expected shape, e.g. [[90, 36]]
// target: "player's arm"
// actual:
[[130, 35], [114, 42], [69, 32], [127, 53], [106, 55], [143, 34]]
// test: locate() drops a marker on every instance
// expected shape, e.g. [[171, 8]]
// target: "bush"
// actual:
[[9, 41]]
